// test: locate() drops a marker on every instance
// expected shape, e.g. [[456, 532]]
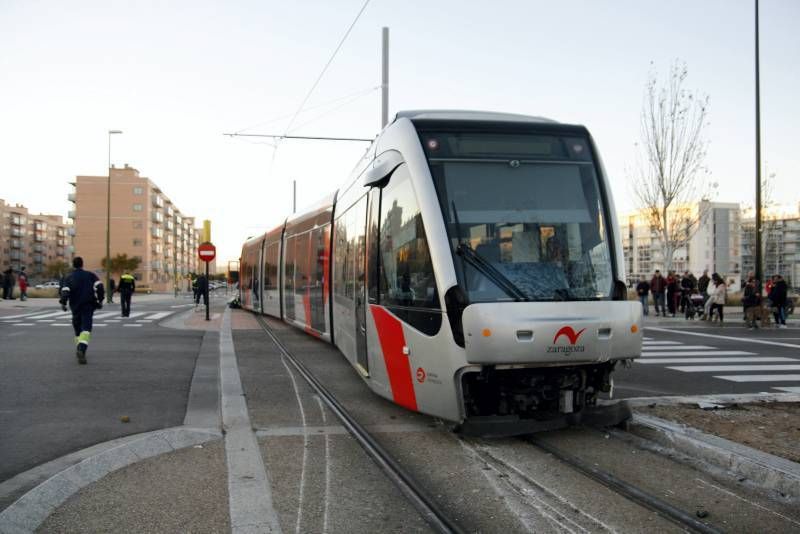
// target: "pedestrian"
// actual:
[[688, 285], [642, 289], [112, 287], [194, 289], [201, 286], [657, 286], [8, 284], [673, 292], [127, 285], [751, 302], [702, 287], [778, 296], [22, 279], [84, 292], [718, 297]]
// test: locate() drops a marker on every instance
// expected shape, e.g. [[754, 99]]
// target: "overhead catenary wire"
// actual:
[[328, 64]]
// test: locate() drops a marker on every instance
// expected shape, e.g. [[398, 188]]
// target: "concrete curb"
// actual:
[[762, 469], [29, 511], [742, 398]]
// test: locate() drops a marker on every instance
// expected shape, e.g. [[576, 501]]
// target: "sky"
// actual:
[[175, 76]]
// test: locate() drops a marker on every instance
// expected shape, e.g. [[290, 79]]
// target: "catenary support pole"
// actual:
[[758, 252], [385, 77]]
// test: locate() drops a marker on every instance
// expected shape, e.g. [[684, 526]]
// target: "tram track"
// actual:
[[625, 489], [427, 507]]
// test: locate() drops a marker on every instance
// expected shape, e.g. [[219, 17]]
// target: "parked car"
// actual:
[[52, 283]]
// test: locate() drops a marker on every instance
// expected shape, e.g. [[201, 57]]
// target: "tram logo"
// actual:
[[572, 336], [420, 375]]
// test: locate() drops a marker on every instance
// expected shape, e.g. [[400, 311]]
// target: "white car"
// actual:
[[47, 285]]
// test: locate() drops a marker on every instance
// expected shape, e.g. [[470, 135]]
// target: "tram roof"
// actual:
[[470, 115]]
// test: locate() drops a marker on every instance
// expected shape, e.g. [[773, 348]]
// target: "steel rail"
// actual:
[[627, 490], [424, 504]]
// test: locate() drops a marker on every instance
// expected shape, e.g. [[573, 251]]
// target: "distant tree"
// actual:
[[670, 174], [121, 263], [56, 269]]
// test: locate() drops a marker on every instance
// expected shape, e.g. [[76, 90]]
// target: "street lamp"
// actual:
[[108, 219]]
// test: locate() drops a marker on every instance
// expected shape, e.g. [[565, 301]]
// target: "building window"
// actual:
[[137, 242], [138, 190], [137, 207]]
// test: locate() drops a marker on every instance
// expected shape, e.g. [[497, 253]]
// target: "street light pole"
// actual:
[[758, 251], [108, 219]]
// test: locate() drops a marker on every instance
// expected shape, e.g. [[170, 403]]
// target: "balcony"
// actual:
[[158, 201], [17, 232], [71, 197], [16, 243], [155, 265], [156, 232], [71, 232], [71, 214]]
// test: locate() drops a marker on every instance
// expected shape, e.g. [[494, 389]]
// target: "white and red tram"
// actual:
[[470, 269]]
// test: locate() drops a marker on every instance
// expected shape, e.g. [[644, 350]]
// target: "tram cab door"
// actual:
[[360, 283]]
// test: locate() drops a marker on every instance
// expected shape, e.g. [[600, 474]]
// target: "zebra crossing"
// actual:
[[102, 318], [731, 365]]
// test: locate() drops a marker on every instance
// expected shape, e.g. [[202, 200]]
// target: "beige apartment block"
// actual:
[[32, 241], [145, 223]]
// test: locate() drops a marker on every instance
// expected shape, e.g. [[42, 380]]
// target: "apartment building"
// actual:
[[32, 240], [780, 242], [715, 243], [145, 224]]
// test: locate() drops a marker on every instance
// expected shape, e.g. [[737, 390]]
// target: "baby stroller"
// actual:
[[694, 305]]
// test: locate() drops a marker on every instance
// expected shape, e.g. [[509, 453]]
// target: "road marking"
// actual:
[[103, 315], [789, 389], [760, 378], [23, 324], [159, 315], [13, 321], [132, 325], [46, 321], [682, 347], [135, 314], [112, 320], [100, 324], [144, 320], [730, 338], [734, 368], [181, 305], [43, 316], [716, 360], [60, 324], [701, 353], [647, 339], [661, 343]]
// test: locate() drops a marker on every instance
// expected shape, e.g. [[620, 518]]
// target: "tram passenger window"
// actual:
[[406, 270]]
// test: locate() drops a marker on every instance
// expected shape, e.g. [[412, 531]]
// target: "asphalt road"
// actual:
[[695, 358], [51, 406]]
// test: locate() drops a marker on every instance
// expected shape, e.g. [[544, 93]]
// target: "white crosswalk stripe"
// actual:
[[734, 368], [648, 343], [760, 378], [158, 315], [700, 353], [104, 318], [678, 347], [718, 360], [789, 389]]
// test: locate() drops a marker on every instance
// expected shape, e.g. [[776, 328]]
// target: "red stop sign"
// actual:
[[207, 252]]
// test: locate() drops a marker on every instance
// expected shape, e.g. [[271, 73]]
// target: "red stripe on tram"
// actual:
[[392, 339]]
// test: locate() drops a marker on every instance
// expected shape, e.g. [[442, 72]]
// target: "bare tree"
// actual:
[[670, 178]]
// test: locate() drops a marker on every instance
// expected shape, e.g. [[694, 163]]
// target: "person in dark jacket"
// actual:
[[127, 285], [112, 288], [778, 296], [673, 292], [643, 289], [201, 290], [657, 286], [84, 292], [8, 284], [751, 301]]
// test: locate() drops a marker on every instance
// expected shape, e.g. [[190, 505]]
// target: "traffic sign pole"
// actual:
[[207, 252]]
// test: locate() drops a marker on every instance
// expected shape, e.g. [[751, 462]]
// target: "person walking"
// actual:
[[112, 288], [718, 297], [201, 286], [8, 284], [778, 296], [127, 285], [702, 287], [22, 279], [84, 292], [751, 302], [657, 286], [673, 292], [642, 289]]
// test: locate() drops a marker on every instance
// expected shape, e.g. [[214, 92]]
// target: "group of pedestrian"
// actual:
[[757, 309], [7, 281], [685, 294]]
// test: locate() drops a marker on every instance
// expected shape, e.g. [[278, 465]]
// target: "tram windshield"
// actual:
[[525, 215]]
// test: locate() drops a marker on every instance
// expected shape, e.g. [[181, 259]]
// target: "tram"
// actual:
[[470, 268]]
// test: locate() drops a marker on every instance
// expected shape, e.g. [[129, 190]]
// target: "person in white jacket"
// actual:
[[718, 296]]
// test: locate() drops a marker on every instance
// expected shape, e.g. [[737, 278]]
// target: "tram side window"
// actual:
[[271, 267], [340, 254], [406, 270]]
